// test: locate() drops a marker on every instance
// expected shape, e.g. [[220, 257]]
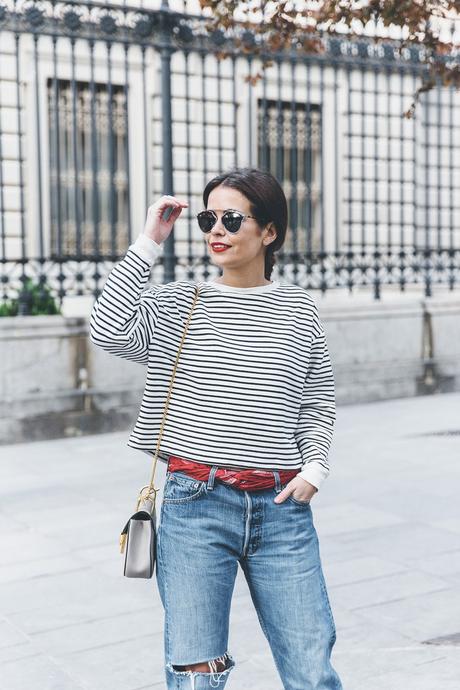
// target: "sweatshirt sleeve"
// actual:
[[317, 413], [123, 320]]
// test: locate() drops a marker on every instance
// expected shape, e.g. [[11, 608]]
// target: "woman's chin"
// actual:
[[218, 260]]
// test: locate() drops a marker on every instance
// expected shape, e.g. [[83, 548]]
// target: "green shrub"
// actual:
[[9, 308], [38, 300]]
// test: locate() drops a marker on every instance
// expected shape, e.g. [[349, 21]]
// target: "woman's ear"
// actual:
[[271, 234]]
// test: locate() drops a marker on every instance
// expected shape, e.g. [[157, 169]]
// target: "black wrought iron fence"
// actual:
[[103, 108]]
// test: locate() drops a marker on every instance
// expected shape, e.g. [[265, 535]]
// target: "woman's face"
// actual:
[[247, 246]]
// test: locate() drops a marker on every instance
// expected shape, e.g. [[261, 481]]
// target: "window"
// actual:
[[289, 145], [88, 169]]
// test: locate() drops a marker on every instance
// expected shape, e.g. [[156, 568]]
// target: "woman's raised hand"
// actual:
[[156, 226]]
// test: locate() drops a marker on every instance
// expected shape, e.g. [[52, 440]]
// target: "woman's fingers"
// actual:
[[291, 487], [175, 213], [171, 201], [161, 217]]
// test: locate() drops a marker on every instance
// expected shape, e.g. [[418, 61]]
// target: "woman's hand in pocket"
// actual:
[[300, 489]]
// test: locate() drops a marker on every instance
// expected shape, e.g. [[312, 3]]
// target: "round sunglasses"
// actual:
[[231, 220]]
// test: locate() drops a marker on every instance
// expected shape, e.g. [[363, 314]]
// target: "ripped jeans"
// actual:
[[205, 529]]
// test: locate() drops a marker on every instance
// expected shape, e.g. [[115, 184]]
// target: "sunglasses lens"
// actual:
[[206, 220], [232, 221]]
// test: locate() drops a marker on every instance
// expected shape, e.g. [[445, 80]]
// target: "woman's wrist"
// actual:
[[146, 247], [155, 240]]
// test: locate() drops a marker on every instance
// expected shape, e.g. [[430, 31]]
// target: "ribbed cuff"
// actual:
[[313, 473], [146, 248]]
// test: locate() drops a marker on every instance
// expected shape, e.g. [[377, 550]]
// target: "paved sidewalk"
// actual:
[[389, 529]]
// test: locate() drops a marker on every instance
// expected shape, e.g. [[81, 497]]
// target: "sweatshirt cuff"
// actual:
[[146, 248], [313, 473]]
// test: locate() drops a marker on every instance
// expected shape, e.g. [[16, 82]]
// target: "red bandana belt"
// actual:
[[247, 480]]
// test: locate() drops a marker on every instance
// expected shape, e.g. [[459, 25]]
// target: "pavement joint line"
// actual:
[[84, 622], [75, 652], [405, 598], [21, 658], [384, 650], [377, 578]]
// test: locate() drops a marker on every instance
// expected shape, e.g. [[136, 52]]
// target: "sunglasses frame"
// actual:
[[233, 210]]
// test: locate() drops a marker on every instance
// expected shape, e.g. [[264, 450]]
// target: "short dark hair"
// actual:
[[267, 202]]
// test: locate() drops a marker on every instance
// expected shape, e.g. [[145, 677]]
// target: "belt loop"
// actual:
[[276, 474], [212, 474]]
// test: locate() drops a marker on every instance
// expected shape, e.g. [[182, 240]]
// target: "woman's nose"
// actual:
[[218, 229]]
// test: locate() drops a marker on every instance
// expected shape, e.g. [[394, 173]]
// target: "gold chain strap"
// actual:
[[151, 490]]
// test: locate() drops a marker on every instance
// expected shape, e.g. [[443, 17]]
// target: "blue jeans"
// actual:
[[205, 529]]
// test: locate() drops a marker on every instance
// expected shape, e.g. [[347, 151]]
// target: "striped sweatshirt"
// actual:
[[254, 385]]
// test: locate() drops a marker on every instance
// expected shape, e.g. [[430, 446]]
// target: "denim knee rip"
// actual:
[[215, 677]]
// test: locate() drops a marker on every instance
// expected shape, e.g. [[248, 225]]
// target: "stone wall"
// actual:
[[56, 383]]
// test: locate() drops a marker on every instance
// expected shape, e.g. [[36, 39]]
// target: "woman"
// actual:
[[247, 435]]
